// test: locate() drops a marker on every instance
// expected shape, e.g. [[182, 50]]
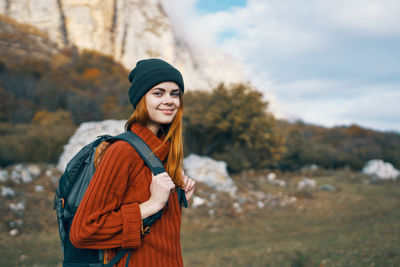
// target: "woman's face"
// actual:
[[162, 103]]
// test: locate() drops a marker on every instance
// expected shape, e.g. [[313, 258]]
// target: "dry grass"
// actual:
[[358, 225], [23, 28]]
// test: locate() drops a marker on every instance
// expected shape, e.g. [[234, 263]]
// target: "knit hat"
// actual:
[[147, 74]]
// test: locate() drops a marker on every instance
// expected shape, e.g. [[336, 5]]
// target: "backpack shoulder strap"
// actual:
[[151, 160]]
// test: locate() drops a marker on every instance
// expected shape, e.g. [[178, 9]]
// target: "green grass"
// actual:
[[358, 225]]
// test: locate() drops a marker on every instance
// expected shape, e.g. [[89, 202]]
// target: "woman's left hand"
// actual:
[[189, 186]]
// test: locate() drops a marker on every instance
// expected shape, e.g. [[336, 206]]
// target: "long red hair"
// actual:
[[172, 132]]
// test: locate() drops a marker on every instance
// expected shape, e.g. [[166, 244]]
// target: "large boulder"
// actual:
[[86, 133], [209, 171], [381, 170]]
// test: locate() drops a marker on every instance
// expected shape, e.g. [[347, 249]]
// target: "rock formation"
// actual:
[[127, 30], [381, 170], [86, 133], [209, 171]]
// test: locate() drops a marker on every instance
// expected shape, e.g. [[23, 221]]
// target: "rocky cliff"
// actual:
[[127, 30]]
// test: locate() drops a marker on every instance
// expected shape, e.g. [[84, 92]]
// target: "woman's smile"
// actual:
[[167, 111]]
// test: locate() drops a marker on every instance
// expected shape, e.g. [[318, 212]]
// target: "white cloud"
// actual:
[[283, 26], [258, 28], [381, 17], [182, 14], [374, 106], [312, 59]]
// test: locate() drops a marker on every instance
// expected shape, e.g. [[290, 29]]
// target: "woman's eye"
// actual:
[[157, 93], [175, 94]]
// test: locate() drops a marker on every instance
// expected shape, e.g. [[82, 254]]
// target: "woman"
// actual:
[[123, 190]]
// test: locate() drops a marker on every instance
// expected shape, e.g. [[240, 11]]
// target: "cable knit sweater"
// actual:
[[109, 215]]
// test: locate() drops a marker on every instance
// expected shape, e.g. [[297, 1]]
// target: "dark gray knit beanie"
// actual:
[[147, 74]]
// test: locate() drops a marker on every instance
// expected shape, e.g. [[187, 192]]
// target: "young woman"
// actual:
[[123, 190]]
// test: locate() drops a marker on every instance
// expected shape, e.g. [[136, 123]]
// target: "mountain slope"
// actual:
[[127, 30], [18, 41]]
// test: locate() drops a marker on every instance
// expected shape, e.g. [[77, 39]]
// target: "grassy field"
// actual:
[[356, 225]]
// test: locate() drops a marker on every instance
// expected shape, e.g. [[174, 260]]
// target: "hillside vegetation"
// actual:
[[337, 147], [43, 101], [46, 93]]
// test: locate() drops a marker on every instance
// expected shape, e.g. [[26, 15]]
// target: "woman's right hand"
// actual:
[[160, 189]]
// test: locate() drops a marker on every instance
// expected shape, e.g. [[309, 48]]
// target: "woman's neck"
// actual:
[[154, 127]]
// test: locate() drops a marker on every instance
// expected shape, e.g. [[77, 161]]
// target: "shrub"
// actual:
[[33, 142], [232, 124], [47, 118], [336, 147]]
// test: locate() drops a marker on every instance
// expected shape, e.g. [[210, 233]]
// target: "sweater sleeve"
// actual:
[[102, 220]]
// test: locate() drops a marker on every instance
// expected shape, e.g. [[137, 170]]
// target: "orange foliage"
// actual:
[[355, 130], [48, 118], [91, 73]]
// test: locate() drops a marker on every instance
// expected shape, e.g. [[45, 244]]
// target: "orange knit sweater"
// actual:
[[109, 215]]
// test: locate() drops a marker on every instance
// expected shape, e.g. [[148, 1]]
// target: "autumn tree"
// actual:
[[232, 124]]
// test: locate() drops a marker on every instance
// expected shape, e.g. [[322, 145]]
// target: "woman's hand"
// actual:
[[189, 186], [160, 188]]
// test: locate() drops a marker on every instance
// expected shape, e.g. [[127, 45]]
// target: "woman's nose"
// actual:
[[167, 99]]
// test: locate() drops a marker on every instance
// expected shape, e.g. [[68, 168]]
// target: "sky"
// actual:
[[324, 62]]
